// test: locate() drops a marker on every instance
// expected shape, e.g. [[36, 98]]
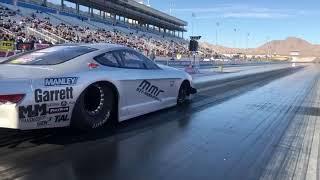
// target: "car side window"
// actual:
[[107, 59], [131, 60], [134, 60], [149, 63]]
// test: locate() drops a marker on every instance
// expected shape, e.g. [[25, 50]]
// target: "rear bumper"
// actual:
[[9, 116]]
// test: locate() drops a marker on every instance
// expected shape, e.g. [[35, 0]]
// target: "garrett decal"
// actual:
[[58, 110], [32, 111], [149, 90], [60, 118], [61, 81], [53, 95]]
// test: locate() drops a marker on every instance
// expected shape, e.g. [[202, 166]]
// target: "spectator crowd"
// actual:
[[13, 27]]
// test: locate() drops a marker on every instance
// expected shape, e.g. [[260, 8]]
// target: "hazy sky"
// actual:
[[262, 20]]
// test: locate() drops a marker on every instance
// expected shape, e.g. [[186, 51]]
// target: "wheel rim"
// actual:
[[94, 100], [182, 94]]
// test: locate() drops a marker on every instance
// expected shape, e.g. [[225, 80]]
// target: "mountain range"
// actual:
[[275, 47]]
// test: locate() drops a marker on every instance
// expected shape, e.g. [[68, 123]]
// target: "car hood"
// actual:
[[10, 71]]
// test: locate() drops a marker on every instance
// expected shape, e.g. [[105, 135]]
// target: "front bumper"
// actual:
[[192, 90]]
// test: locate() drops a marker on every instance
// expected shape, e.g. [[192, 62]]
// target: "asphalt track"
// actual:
[[263, 126]]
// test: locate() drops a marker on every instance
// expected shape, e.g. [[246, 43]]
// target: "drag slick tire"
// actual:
[[94, 107], [183, 94]]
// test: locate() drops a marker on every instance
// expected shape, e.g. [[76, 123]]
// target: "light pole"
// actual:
[[171, 7], [268, 47], [192, 24], [247, 42], [234, 40], [194, 49], [218, 24]]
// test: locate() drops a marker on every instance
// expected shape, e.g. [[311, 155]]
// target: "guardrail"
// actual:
[[41, 35], [57, 38], [180, 63]]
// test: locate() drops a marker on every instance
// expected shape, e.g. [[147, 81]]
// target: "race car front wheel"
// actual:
[[94, 107], [183, 94]]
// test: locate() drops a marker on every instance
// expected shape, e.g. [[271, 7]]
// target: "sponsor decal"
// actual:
[[58, 110], [149, 90], [39, 113], [6, 46], [60, 118], [72, 103], [171, 83], [53, 95], [60, 81], [31, 111], [42, 123], [40, 46], [54, 104], [33, 119], [25, 46], [64, 103], [45, 122]]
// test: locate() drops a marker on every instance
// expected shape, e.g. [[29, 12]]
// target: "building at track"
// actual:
[[126, 13]]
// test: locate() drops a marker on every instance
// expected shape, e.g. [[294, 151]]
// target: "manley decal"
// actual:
[[60, 81]]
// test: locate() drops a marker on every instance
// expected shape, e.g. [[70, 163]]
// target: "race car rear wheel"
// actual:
[[183, 93], [94, 107]]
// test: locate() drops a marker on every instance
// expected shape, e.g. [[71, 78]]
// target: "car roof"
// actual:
[[98, 46]]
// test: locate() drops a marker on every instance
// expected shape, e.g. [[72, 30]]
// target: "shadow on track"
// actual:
[[11, 138]]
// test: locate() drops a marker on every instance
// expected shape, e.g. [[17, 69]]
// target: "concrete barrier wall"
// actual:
[[183, 63]]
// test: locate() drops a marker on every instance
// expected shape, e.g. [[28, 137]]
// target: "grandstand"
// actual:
[[37, 24], [125, 13], [42, 22]]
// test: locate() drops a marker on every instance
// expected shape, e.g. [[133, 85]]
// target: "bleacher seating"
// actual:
[[75, 28]]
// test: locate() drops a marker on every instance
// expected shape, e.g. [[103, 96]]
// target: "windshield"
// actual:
[[50, 56]]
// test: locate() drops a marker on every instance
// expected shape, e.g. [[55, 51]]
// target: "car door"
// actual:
[[147, 87], [112, 71]]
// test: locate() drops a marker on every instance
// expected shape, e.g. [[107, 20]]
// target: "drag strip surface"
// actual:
[[228, 132]]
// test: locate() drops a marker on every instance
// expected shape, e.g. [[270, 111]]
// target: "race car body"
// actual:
[[85, 85]]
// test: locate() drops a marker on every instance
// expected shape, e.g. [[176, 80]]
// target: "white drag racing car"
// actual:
[[85, 85]]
